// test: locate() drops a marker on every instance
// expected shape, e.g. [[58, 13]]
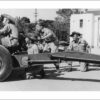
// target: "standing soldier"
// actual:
[[78, 44]]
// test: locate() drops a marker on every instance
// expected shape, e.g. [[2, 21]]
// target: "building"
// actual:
[[89, 25]]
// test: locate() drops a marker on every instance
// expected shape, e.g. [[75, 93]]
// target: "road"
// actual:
[[70, 81]]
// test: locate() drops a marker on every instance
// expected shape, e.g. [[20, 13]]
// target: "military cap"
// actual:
[[75, 33]]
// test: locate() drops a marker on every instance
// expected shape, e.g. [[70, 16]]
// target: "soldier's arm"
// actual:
[[4, 30], [88, 49], [47, 35]]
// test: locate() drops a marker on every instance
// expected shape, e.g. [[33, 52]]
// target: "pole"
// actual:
[[36, 14]]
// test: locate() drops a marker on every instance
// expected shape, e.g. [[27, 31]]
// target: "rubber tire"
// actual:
[[5, 63]]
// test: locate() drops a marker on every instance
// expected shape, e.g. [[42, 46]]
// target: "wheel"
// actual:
[[5, 63]]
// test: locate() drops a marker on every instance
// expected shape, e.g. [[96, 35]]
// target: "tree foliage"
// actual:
[[60, 26], [62, 21], [60, 29]]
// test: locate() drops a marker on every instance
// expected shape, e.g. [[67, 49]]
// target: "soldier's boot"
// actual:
[[29, 75]]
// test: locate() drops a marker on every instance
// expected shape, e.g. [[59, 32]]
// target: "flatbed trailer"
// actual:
[[21, 60], [77, 56]]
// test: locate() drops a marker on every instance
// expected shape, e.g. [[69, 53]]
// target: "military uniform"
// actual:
[[49, 38], [81, 46], [32, 48], [10, 33], [49, 45]]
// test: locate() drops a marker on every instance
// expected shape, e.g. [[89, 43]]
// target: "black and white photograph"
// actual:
[[50, 49]]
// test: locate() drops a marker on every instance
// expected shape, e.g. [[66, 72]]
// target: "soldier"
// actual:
[[78, 44], [9, 32], [49, 39], [83, 45], [32, 48]]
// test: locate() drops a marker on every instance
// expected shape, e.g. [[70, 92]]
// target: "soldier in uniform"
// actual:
[[9, 32], [49, 39], [31, 41], [32, 48], [78, 44]]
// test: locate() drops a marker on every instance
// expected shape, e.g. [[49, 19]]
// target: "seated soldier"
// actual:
[[48, 37], [9, 32], [32, 48], [78, 44], [49, 40], [40, 46]]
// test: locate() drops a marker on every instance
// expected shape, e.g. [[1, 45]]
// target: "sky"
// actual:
[[42, 13]]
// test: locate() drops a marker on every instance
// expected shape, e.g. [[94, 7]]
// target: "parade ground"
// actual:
[[64, 81]]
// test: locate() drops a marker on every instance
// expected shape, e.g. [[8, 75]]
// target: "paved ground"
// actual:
[[74, 80]]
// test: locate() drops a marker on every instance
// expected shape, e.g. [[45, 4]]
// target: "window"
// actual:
[[81, 23]]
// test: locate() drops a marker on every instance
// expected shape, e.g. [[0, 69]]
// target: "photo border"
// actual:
[[49, 94]]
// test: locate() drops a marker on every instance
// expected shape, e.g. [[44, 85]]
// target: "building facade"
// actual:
[[89, 25]]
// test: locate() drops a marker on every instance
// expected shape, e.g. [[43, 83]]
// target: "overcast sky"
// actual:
[[42, 13]]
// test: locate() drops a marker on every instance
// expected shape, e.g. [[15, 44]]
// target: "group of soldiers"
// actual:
[[44, 40]]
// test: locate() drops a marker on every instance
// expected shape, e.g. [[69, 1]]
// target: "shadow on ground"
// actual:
[[51, 75]]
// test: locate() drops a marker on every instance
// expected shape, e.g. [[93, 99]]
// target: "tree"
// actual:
[[25, 20], [46, 23], [61, 30], [63, 18], [66, 13], [24, 26], [56, 27], [1, 23]]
